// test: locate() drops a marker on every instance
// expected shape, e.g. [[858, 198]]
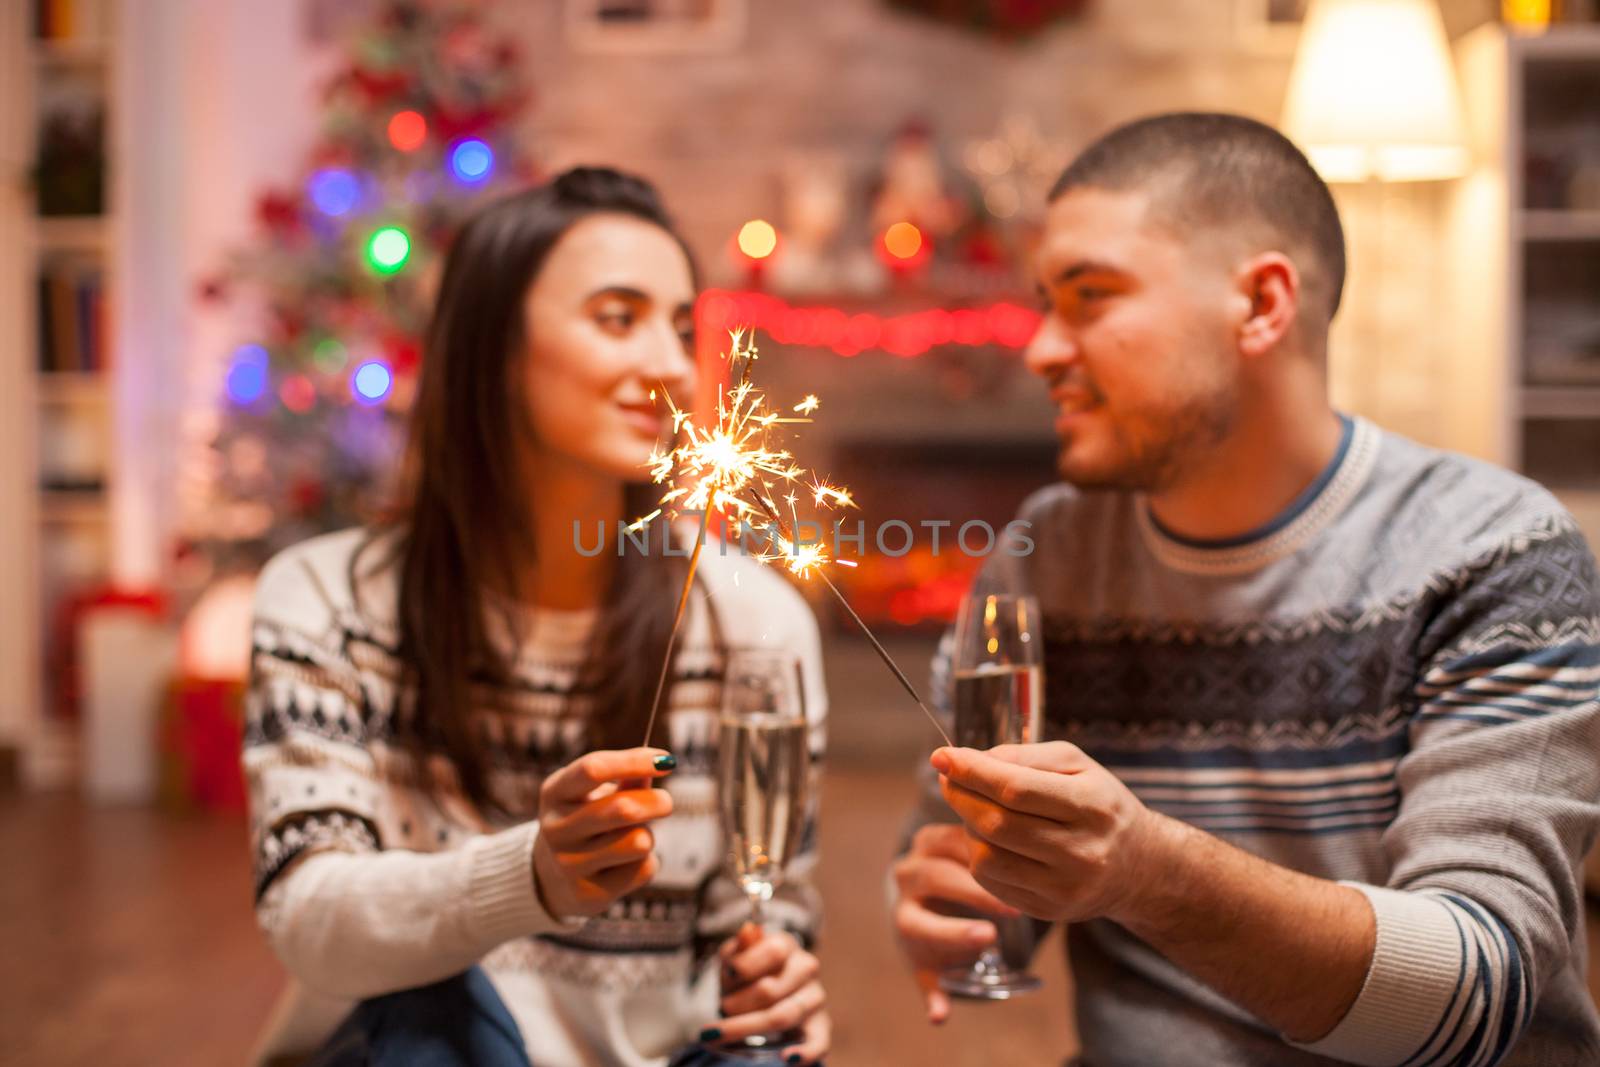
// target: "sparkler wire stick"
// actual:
[[677, 618], [883, 653]]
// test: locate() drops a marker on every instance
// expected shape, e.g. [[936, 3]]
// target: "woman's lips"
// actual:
[[644, 419]]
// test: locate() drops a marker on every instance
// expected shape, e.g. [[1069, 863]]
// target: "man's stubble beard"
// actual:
[[1159, 456]]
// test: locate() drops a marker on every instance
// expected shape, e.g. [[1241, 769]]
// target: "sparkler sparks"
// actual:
[[738, 464], [739, 459]]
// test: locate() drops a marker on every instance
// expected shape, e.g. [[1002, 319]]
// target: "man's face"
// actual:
[[1136, 345]]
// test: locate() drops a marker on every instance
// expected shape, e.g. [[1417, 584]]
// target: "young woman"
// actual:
[[453, 820]]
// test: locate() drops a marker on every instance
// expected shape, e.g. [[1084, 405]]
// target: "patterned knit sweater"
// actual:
[[367, 885], [1393, 685]]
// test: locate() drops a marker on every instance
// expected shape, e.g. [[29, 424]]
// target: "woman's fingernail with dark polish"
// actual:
[[710, 1033], [666, 762], [795, 1057]]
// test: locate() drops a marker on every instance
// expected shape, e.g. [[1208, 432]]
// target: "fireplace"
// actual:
[[954, 435]]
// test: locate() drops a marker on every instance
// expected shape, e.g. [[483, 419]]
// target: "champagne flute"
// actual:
[[998, 675], [763, 772]]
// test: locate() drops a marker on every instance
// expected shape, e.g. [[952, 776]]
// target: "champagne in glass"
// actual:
[[764, 762], [996, 705], [763, 787], [997, 697]]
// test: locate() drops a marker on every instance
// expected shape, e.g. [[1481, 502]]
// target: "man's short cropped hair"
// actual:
[[1206, 169]]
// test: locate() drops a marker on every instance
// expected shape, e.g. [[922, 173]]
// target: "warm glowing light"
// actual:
[[1526, 15], [902, 240], [758, 239], [1373, 93], [407, 130], [1002, 325], [808, 405]]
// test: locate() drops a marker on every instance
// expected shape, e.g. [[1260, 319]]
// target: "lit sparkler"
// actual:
[[736, 465]]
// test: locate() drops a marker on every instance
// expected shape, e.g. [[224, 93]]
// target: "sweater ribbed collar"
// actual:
[[1308, 515]]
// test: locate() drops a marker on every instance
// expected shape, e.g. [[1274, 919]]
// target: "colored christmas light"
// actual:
[[407, 131], [330, 355], [334, 190], [388, 249], [297, 393], [758, 239], [471, 160], [247, 374], [371, 382], [902, 240]]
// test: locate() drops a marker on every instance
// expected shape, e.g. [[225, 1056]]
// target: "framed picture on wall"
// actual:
[[1270, 23], [660, 26]]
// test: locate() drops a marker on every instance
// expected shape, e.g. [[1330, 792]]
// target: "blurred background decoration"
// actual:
[[1006, 20], [419, 125]]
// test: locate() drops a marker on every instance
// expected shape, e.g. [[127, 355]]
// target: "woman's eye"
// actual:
[[1088, 293], [686, 335], [616, 321]]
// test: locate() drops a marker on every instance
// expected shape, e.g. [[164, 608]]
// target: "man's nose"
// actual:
[[1052, 349]]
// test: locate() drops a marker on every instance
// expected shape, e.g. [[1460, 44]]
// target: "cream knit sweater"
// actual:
[[367, 885]]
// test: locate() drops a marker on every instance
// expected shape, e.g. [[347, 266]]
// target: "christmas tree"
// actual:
[[333, 295]]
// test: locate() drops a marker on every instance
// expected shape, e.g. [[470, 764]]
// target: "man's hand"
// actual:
[[594, 845], [769, 985], [1053, 833], [933, 878]]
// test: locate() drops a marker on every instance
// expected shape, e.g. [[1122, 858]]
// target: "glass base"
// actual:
[[762, 1048], [986, 983]]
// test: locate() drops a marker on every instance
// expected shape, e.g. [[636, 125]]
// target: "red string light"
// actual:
[[1002, 325], [407, 130]]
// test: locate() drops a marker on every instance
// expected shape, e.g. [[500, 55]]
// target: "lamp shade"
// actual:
[[1373, 93]]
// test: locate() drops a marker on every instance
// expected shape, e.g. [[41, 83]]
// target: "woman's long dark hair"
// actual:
[[465, 515]]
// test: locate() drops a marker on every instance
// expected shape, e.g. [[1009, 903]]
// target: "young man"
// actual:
[[1321, 704]]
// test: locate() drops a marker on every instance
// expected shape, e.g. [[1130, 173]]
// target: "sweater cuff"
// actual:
[[504, 900], [1415, 966]]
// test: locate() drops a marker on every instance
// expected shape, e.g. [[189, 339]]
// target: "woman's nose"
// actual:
[[667, 359]]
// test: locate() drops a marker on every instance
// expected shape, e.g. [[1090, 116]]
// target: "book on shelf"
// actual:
[[72, 319], [69, 20]]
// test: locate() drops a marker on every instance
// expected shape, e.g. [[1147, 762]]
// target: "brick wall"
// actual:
[[836, 77]]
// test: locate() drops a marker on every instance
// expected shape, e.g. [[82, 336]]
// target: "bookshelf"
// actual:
[[1526, 241], [57, 396]]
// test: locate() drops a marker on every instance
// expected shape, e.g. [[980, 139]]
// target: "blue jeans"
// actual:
[[459, 1022]]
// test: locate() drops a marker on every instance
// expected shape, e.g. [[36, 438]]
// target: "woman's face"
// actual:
[[610, 319]]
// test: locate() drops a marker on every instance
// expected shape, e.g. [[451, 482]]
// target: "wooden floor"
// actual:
[[126, 936]]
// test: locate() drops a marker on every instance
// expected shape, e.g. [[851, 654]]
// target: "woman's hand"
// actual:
[[932, 878], [593, 844], [770, 984]]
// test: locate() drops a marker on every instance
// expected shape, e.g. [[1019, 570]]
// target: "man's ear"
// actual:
[[1270, 286]]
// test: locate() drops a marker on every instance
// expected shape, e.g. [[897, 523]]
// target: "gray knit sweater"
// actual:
[[1393, 685]]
